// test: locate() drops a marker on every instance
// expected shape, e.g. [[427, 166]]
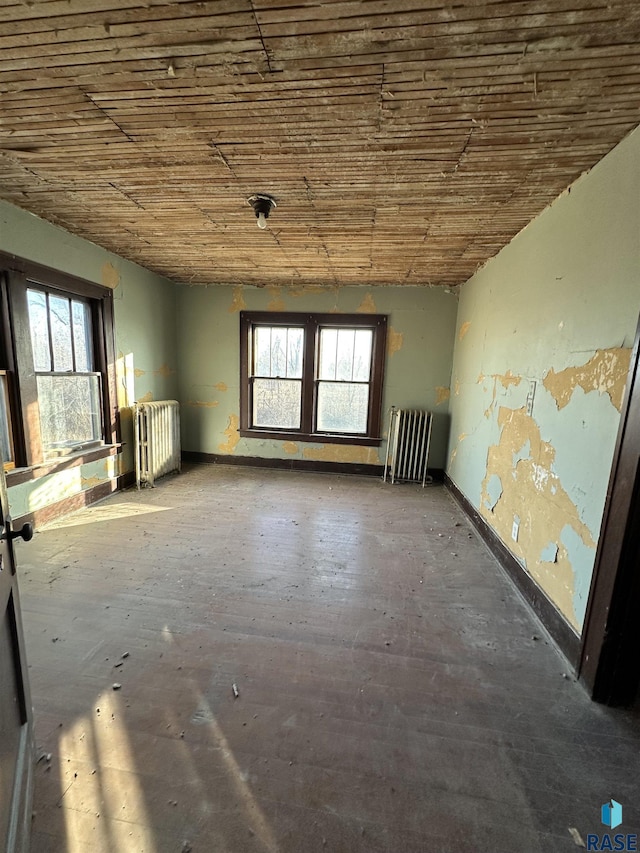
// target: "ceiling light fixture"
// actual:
[[262, 205]]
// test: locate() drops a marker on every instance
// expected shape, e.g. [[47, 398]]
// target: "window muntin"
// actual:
[[69, 389], [313, 377]]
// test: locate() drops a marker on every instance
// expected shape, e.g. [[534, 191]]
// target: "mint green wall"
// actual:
[[144, 306], [557, 306], [418, 366]]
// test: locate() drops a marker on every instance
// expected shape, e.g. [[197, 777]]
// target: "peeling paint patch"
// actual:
[[290, 447], [456, 388], [276, 302], [109, 276], [90, 482], [146, 398], [137, 371], [237, 303], [395, 341], [367, 306], [494, 491], [221, 386], [606, 372], [311, 290], [534, 493], [464, 328], [462, 436], [549, 553], [505, 379], [342, 453], [523, 453], [233, 436], [164, 370], [442, 394], [203, 404]]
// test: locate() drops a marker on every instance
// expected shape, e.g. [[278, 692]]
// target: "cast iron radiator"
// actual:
[[157, 440], [408, 446]]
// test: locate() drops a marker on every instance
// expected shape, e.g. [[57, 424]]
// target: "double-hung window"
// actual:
[[312, 377], [68, 386]]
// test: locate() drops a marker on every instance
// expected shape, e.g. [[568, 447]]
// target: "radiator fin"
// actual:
[[157, 440], [408, 446]]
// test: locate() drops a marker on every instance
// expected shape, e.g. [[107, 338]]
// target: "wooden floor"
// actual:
[[395, 694]]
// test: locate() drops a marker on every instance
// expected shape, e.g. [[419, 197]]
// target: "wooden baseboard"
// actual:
[[197, 457], [559, 629], [284, 464], [126, 480]]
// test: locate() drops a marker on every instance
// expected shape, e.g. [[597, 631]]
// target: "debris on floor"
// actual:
[[573, 832]]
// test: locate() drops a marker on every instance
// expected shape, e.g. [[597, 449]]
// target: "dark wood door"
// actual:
[[16, 727], [610, 658]]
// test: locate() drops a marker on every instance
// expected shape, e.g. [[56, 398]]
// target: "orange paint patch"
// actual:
[[606, 372], [164, 370], [395, 341], [533, 492], [203, 404], [505, 379], [342, 453], [442, 394], [237, 303], [464, 328], [276, 303], [90, 482], [137, 371], [221, 386], [233, 436], [290, 447], [367, 306], [146, 398], [109, 276]]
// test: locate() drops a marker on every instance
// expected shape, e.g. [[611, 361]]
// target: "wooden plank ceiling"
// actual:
[[405, 141]]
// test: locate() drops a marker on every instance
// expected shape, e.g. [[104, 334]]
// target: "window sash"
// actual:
[[59, 346], [70, 411]]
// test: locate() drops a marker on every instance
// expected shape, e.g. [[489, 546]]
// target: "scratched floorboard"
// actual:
[[392, 697]]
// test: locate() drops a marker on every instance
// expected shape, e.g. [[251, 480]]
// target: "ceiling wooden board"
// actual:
[[405, 141]]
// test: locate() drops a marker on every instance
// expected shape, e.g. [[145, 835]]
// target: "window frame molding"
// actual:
[[18, 275], [312, 323]]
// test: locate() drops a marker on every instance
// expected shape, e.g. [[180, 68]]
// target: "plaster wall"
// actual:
[[420, 334], [145, 342], [553, 314]]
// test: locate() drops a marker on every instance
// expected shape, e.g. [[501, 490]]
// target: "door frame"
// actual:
[[609, 664], [19, 813]]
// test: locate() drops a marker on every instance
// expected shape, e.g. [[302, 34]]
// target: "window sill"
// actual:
[[316, 438], [33, 472]]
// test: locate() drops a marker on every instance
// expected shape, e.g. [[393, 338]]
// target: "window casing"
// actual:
[[312, 377], [58, 368]]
